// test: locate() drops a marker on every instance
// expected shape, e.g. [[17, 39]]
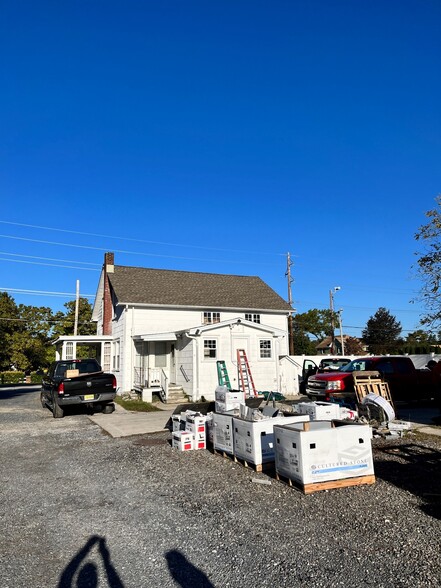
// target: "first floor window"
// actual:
[[211, 317], [265, 348], [106, 357], [116, 356], [210, 348], [69, 350]]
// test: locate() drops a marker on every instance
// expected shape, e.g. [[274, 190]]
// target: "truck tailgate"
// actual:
[[95, 383]]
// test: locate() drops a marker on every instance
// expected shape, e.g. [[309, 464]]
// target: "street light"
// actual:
[[331, 306]]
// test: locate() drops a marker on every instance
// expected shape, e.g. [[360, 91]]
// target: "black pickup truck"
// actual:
[[77, 381]]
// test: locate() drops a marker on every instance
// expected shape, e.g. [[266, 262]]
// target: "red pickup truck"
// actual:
[[406, 383]]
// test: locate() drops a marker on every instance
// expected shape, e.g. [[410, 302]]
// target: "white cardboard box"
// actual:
[[178, 422], [323, 452], [226, 400], [182, 440], [254, 440], [223, 432], [320, 411]]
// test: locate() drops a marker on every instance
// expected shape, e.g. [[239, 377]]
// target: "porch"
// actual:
[[154, 370]]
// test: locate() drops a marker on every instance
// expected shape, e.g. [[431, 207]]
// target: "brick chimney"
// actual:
[[108, 268]]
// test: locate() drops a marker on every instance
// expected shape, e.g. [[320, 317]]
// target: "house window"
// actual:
[[210, 348], [115, 356], [254, 318], [211, 317], [69, 350], [106, 357], [265, 349]]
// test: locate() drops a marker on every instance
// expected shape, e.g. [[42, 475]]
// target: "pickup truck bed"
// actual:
[[79, 381]]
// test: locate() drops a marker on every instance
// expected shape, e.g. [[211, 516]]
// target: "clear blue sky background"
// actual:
[[216, 137]]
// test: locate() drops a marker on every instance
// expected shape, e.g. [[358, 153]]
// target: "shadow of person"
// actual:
[[88, 576], [185, 573], [86, 573]]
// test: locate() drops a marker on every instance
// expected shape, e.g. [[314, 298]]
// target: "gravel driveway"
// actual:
[[79, 508]]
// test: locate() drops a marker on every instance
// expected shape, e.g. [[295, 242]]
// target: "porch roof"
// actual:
[[83, 338]]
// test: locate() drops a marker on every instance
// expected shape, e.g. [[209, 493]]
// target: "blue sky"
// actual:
[[216, 137]]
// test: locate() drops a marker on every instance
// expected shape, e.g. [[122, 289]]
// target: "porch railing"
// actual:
[[151, 378]]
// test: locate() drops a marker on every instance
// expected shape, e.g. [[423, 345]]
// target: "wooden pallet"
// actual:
[[371, 383], [257, 467], [328, 485], [247, 464], [223, 453]]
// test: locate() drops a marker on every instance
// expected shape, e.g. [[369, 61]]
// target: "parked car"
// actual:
[[327, 364], [77, 381], [406, 383]]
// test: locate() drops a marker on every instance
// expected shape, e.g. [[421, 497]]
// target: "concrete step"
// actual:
[[176, 395]]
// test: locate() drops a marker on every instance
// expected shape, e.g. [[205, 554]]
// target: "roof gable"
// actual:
[[135, 285]]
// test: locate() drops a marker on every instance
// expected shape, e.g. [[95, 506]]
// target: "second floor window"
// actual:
[[254, 318], [211, 317]]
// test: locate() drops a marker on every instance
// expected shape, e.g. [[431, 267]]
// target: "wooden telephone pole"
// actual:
[[289, 263]]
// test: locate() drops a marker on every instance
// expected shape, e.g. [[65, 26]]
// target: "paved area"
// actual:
[[123, 423]]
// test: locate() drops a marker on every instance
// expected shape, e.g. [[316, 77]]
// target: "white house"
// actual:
[[159, 329]]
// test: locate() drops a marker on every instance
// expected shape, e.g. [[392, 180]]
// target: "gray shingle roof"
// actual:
[[136, 285]]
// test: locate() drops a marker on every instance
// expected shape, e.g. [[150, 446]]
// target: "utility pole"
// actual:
[[341, 332], [331, 307], [77, 304], [289, 263]]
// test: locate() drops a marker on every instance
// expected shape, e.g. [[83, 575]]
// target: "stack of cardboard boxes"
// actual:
[[189, 431]]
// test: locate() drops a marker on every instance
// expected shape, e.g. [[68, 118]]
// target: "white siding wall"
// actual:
[[147, 320], [184, 358], [263, 371], [138, 321], [123, 375]]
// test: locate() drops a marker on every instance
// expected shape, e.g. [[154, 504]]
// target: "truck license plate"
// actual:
[[89, 397]]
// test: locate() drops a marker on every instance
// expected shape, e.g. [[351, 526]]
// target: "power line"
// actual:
[[43, 292], [50, 258], [58, 244], [89, 269], [186, 245]]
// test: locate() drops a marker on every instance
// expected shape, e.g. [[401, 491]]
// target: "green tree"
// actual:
[[353, 346], [303, 344], [382, 332], [314, 322], [9, 323], [419, 341], [65, 321], [429, 265]]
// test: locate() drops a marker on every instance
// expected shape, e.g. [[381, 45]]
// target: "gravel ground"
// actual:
[[79, 508]]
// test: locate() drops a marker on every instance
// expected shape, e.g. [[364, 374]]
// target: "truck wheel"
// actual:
[[108, 408], [57, 410], [42, 400]]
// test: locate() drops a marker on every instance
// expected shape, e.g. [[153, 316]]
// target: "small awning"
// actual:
[[155, 337]]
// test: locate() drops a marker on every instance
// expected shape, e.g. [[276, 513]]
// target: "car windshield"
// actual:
[[334, 363], [358, 365]]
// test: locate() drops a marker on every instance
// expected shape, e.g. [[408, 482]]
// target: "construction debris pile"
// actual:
[[319, 447]]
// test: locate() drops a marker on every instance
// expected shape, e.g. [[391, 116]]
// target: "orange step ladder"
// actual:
[[245, 377]]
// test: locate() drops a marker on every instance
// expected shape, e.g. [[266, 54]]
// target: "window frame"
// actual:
[[116, 355], [214, 348], [263, 351], [210, 317], [253, 317]]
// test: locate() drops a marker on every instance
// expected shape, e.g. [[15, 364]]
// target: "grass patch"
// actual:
[[136, 405]]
